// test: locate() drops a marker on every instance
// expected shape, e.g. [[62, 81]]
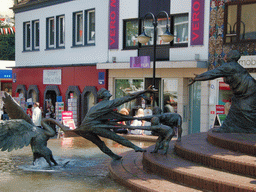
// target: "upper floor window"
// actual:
[[55, 36], [91, 26], [84, 28], [131, 28], [60, 31], [50, 32], [179, 27], [27, 36], [240, 21], [31, 35], [36, 34]]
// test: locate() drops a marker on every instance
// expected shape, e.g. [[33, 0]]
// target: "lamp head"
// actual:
[[143, 38], [167, 36]]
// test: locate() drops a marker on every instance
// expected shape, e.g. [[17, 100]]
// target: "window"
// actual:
[[60, 31], [36, 34], [31, 35], [79, 28], [240, 22], [55, 36], [27, 34], [91, 26], [179, 27], [84, 28], [50, 33], [131, 28]]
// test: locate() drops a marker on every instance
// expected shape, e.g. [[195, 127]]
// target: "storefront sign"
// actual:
[[248, 61], [197, 22], [5, 74], [220, 109], [52, 77], [67, 119], [113, 24], [140, 62]]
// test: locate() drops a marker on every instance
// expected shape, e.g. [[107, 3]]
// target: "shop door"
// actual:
[[194, 107], [50, 100], [148, 82]]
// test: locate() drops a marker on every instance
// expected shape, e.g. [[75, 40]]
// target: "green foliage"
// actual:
[[7, 47]]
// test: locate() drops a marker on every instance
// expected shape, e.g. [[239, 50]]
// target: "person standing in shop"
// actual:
[[37, 115]]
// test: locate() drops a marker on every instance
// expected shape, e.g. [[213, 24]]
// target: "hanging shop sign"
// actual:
[[197, 22], [113, 24], [52, 77], [140, 62]]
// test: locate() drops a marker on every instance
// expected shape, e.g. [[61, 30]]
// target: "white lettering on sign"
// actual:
[[52, 77], [248, 61]]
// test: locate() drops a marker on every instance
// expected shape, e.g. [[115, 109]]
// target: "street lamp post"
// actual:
[[166, 37]]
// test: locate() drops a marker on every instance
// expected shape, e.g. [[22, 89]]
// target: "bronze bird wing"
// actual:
[[15, 134], [14, 110]]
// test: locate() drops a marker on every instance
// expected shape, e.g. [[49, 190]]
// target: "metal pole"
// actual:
[[154, 60]]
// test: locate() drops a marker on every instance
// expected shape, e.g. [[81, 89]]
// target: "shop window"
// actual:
[[240, 21], [125, 86], [170, 97], [84, 28]]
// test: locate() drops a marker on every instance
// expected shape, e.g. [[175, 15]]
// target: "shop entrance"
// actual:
[[50, 100], [194, 107]]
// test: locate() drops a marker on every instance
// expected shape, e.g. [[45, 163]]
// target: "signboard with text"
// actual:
[[52, 77], [197, 22], [113, 24], [140, 62], [67, 119]]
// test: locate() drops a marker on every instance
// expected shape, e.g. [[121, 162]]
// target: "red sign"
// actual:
[[223, 86], [220, 109], [67, 119], [67, 115]]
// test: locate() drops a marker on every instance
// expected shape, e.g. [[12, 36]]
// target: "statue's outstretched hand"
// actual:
[[150, 89], [192, 80]]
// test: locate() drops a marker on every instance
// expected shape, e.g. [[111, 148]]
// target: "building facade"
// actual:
[[67, 46], [232, 27]]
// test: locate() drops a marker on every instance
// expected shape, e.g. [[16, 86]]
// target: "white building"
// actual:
[[74, 35]]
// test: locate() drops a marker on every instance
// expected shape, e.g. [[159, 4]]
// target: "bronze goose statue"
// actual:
[[20, 131]]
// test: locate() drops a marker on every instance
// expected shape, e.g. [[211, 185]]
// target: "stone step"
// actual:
[[130, 173], [174, 168], [196, 148], [245, 143]]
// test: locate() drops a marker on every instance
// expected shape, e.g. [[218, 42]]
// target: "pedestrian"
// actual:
[[29, 111], [37, 115]]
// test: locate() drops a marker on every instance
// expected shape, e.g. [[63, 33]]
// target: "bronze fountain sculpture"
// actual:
[[242, 114], [100, 121], [20, 131]]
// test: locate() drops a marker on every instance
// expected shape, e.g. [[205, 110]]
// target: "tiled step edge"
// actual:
[[129, 172], [245, 143], [196, 148], [174, 168]]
